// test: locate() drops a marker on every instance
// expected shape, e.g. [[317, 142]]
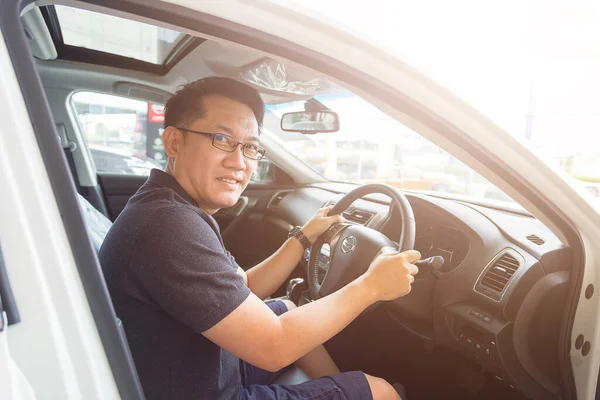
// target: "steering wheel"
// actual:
[[354, 247]]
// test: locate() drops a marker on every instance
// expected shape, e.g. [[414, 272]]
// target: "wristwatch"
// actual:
[[298, 234]]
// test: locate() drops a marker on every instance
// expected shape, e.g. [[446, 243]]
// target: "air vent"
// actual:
[[358, 216], [278, 197], [536, 239], [497, 277]]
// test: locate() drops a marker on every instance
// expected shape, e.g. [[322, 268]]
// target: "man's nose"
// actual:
[[236, 158]]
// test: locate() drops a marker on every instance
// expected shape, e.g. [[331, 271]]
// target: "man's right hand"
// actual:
[[390, 275]]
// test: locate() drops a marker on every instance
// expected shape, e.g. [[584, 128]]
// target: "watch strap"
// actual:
[[297, 233]]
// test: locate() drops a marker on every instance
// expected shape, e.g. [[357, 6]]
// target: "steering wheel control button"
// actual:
[[306, 255], [348, 244]]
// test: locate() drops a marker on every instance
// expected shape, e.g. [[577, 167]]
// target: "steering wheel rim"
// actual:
[[372, 242]]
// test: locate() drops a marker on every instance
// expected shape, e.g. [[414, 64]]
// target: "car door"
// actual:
[[13, 382], [68, 343]]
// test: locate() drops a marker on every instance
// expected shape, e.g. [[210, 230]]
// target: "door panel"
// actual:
[[118, 188], [13, 383]]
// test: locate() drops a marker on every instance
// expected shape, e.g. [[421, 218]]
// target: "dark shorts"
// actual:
[[257, 384]]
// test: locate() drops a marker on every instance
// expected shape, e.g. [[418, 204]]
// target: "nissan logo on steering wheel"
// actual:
[[348, 244]]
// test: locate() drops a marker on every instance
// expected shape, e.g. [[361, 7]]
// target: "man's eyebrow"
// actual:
[[229, 131], [223, 128]]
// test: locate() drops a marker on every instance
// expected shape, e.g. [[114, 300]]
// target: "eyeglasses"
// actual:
[[230, 144]]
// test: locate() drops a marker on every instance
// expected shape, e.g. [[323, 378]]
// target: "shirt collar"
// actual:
[[163, 179]]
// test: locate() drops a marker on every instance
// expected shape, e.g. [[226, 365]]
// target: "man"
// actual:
[[196, 323]]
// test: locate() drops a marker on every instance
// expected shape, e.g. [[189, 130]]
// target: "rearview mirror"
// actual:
[[309, 122]]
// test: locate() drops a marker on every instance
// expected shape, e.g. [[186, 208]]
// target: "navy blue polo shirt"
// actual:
[[170, 279]]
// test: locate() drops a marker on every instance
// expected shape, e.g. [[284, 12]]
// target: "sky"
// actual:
[[510, 59]]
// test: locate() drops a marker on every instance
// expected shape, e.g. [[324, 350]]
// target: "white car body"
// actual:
[[57, 346]]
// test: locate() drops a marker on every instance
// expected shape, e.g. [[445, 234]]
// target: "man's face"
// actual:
[[213, 177]]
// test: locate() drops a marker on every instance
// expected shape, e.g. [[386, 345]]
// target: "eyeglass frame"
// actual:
[[261, 151]]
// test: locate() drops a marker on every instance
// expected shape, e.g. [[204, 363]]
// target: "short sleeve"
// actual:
[[182, 265]]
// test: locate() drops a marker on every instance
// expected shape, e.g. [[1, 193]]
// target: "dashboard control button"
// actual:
[[474, 313], [488, 352], [469, 341], [492, 349]]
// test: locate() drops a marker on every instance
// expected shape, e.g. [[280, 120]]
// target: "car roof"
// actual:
[[63, 64]]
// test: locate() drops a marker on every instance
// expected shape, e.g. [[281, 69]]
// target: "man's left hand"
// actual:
[[319, 223]]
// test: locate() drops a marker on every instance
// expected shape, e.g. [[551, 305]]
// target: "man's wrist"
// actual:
[[307, 233], [367, 291], [299, 235]]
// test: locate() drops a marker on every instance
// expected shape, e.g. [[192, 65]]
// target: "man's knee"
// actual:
[[381, 389]]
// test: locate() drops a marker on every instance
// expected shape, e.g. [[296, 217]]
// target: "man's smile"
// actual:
[[231, 180]]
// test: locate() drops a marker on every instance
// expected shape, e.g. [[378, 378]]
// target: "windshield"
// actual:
[[530, 66], [372, 147]]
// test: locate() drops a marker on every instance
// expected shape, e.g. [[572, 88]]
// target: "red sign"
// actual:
[[156, 113]]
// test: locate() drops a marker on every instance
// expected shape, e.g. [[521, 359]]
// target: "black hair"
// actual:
[[185, 106]]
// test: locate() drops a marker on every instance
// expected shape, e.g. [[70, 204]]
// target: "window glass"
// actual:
[[123, 135], [116, 35], [263, 172], [372, 147], [530, 66]]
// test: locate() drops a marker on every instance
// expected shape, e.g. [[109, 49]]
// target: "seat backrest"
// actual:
[[97, 224]]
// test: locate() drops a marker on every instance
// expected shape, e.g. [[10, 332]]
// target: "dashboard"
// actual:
[[496, 297], [442, 240]]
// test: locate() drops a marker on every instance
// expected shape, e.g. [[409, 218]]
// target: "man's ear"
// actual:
[[172, 139]]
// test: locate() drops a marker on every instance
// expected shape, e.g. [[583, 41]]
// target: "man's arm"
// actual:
[[253, 333], [264, 278]]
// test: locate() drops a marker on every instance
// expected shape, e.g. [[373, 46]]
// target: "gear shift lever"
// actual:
[[295, 288]]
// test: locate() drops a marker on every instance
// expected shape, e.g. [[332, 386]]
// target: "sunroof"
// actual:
[[118, 36]]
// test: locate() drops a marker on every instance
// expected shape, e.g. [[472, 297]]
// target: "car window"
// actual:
[[373, 147], [531, 67], [263, 172], [123, 134]]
